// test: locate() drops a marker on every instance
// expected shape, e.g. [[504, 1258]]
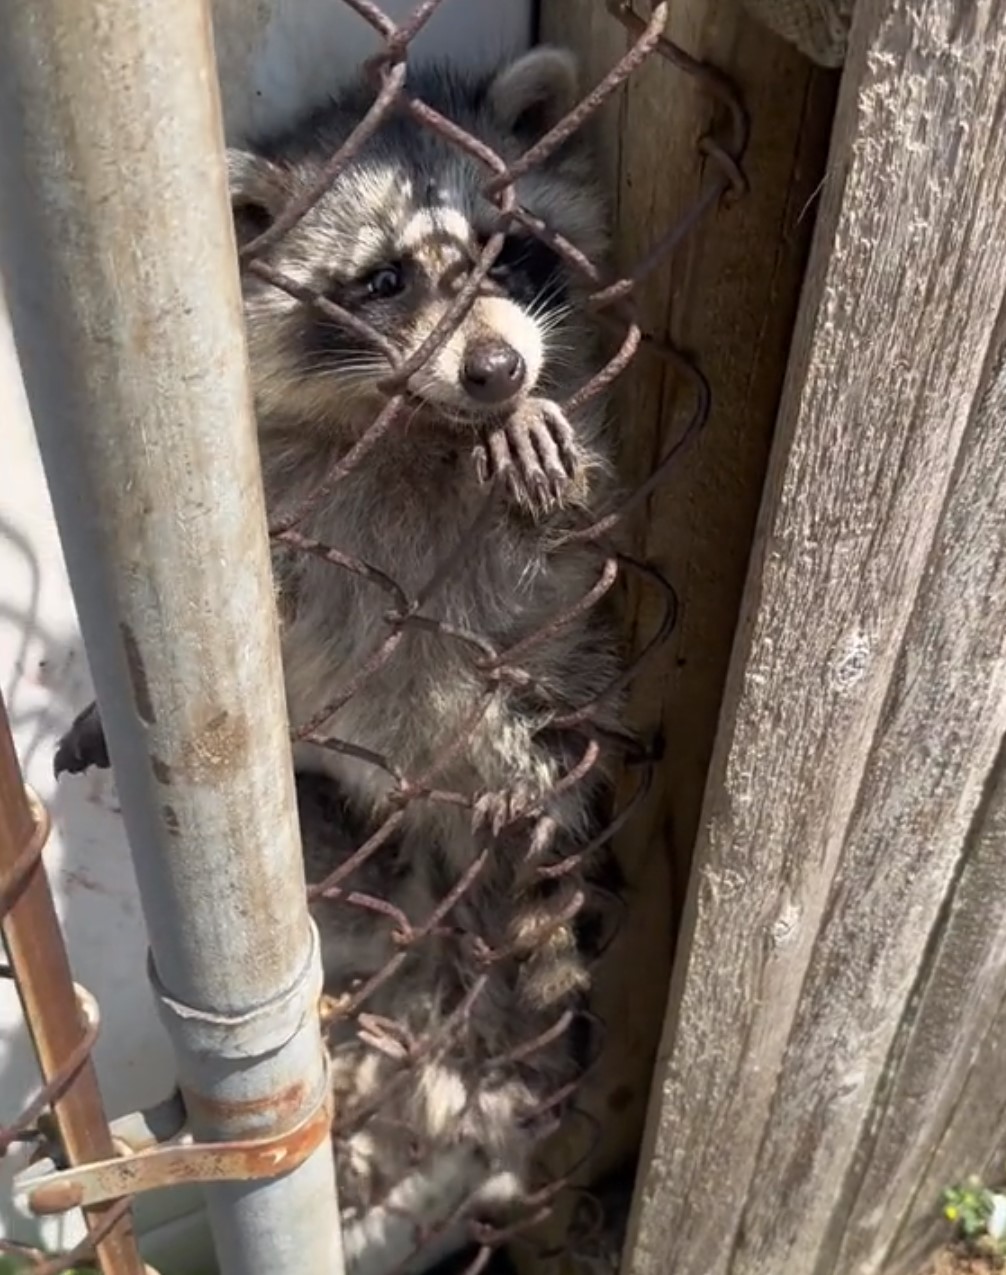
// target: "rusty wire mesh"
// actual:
[[611, 300]]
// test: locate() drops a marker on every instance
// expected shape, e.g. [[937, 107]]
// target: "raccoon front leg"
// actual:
[[536, 456], [537, 756], [82, 746]]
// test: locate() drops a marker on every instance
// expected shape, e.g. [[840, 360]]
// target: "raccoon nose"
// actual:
[[493, 372]]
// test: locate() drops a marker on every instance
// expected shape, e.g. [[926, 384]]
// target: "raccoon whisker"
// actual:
[[544, 305], [419, 388], [365, 363], [560, 355], [551, 285], [555, 365], [550, 321], [546, 333], [558, 336], [346, 371], [406, 424], [549, 290]]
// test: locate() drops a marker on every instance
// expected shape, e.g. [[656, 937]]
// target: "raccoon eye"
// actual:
[[384, 282], [510, 255]]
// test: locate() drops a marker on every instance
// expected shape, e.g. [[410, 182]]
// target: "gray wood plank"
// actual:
[[974, 1142], [754, 1115], [923, 785], [943, 1114]]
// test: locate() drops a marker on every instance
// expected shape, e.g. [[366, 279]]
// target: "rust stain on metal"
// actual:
[[185, 1161], [137, 675], [280, 1108], [58, 1198], [262, 1162], [216, 748]]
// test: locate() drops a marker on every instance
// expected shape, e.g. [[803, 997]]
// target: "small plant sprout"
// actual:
[[978, 1215]]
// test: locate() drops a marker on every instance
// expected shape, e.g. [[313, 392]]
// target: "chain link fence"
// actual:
[[554, 888]]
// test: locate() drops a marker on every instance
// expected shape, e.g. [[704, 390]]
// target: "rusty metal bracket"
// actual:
[[182, 1161]]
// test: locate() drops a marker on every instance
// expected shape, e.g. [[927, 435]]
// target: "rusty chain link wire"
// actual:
[[611, 300]]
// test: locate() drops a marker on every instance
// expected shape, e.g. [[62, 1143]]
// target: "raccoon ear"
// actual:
[[258, 193], [534, 92]]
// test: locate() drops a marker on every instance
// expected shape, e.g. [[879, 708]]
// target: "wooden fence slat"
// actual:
[[936, 743], [904, 286], [975, 1139], [944, 1114]]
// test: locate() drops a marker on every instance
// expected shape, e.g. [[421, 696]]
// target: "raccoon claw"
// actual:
[[495, 810], [562, 438], [535, 456], [83, 745]]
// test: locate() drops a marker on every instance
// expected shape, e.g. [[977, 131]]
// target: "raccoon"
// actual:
[[390, 242]]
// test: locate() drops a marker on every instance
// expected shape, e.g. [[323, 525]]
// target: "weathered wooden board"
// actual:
[[975, 1137], [941, 1109], [867, 695], [943, 1114], [940, 729]]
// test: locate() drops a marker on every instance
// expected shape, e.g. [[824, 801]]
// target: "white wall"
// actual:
[[292, 51], [287, 58]]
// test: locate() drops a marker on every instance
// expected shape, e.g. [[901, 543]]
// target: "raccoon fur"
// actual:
[[390, 241]]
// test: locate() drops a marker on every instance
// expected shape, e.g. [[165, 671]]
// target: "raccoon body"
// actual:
[[390, 242], [405, 220]]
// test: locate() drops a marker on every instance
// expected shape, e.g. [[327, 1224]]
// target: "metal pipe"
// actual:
[[120, 268], [34, 944]]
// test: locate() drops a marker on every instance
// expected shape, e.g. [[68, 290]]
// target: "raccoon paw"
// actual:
[[496, 810], [83, 745], [535, 456]]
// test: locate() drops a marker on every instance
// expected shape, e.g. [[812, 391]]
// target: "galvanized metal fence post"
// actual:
[[119, 262]]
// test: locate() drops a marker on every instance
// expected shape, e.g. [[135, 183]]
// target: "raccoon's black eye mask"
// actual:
[[384, 282], [380, 284], [530, 272]]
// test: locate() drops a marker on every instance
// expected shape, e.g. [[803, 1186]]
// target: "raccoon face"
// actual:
[[396, 236]]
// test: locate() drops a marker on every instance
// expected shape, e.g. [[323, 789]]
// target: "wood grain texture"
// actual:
[[735, 308], [975, 1137], [831, 832], [940, 1111], [940, 729]]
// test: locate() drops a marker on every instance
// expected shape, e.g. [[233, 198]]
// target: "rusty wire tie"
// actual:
[[184, 1160]]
